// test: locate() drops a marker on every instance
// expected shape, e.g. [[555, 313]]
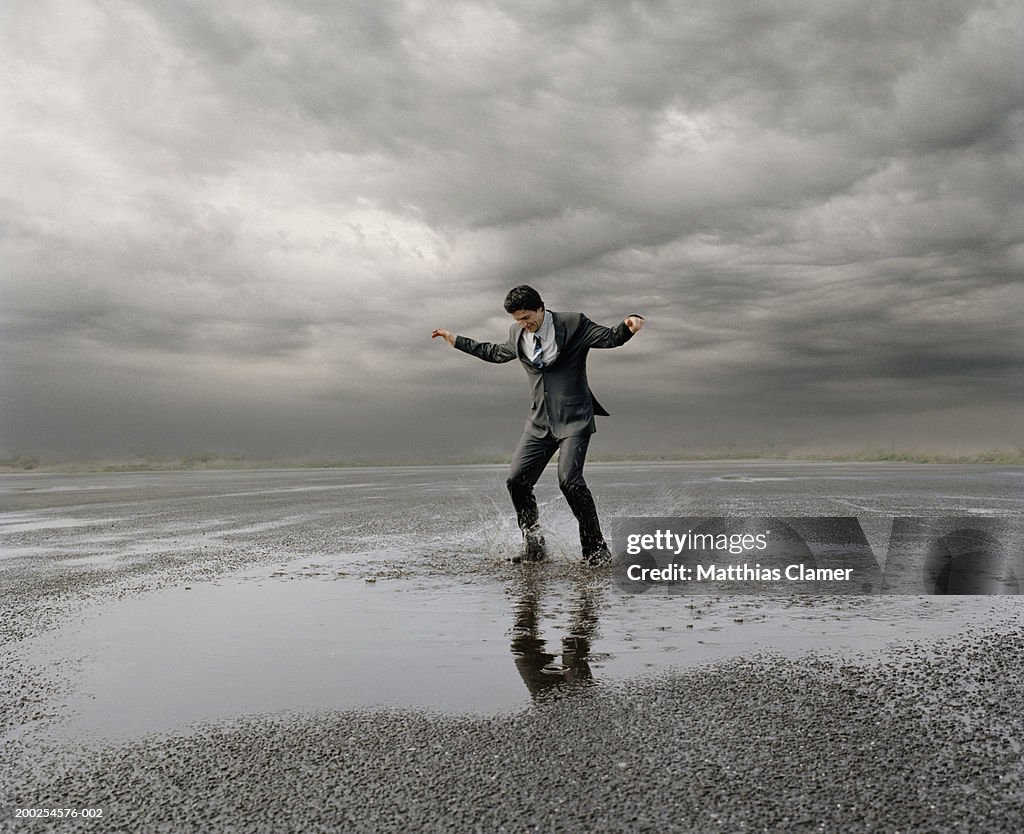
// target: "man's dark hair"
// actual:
[[522, 298]]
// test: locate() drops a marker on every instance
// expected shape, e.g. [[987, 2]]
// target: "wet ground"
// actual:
[[179, 617]]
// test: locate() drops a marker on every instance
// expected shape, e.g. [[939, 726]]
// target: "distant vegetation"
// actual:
[[33, 463], [24, 463]]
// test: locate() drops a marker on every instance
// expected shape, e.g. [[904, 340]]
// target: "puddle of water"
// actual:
[[269, 643]]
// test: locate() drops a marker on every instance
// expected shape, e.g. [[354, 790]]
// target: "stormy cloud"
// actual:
[[232, 226]]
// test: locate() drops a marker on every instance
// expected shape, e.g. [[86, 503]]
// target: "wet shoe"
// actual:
[[533, 550], [601, 556]]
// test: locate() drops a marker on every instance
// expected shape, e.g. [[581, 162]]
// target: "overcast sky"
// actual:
[[231, 226]]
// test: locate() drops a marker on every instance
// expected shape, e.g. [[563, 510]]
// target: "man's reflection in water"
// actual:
[[545, 673]]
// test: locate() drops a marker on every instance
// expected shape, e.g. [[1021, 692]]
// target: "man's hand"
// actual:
[[634, 323], [444, 334]]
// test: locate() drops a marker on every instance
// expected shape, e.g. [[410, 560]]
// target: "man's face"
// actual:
[[529, 320]]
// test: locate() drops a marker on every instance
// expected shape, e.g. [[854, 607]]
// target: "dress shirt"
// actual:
[[546, 336]]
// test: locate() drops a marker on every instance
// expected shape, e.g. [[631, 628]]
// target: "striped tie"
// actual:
[[538, 352]]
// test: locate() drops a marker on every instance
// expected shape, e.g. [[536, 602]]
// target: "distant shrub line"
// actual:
[[33, 463]]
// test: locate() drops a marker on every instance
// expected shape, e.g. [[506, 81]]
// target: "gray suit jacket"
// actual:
[[562, 399]]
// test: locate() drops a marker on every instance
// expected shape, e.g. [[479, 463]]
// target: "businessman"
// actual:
[[552, 348]]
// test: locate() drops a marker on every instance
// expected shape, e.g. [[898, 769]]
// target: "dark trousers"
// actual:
[[531, 456]]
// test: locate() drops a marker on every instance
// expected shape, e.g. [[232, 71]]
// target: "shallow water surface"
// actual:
[[265, 643]]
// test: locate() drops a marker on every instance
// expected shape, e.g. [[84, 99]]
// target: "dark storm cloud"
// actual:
[[239, 222]]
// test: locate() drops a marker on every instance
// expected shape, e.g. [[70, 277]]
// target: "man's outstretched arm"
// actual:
[[488, 351], [598, 336]]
